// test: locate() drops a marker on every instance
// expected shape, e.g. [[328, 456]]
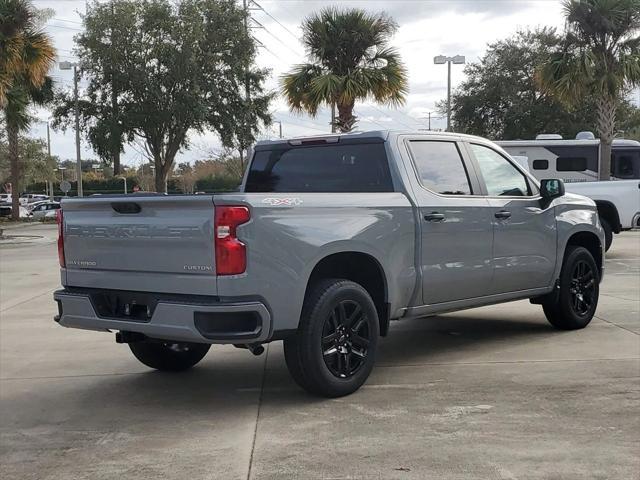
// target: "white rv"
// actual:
[[575, 160], [577, 163]]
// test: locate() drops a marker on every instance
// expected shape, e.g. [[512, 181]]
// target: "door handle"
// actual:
[[502, 214], [434, 217]]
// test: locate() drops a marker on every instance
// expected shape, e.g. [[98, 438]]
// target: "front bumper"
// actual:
[[172, 319]]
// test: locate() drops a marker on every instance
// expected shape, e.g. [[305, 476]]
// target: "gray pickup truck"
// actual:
[[328, 239]]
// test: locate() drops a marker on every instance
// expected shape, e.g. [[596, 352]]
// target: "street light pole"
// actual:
[[449, 96], [125, 184], [74, 66], [441, 60]]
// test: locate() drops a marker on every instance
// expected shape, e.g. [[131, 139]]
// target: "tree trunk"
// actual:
[[162, 172], [346, 120], [12, 137], [606, 124], [116, 162]]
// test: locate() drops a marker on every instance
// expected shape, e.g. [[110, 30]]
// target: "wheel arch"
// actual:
[[609, 212], [591, 242], [361, 268]]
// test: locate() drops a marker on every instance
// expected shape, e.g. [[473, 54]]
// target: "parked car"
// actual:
[[577, 163], [27, 198], [328, 240], [5, 198], [31, 206], [5, 211], [45, 210]]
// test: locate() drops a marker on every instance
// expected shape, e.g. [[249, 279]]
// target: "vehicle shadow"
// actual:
[[452, 336], [228, 382]]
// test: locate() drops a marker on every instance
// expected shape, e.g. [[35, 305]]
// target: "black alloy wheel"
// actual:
[[345, 339], [582, 288]]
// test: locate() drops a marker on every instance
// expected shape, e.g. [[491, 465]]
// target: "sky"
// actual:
[[426, 28]]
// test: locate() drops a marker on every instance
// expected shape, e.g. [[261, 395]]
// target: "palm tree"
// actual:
[[349, 59], [26, 55], [600, 57]]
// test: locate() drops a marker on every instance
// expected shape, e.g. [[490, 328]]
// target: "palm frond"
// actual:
[[350, 59], [296, 87]]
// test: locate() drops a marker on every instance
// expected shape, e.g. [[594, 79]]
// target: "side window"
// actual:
[[440, 167], [500, 176], [625, 164], [571, 164], [541, 164]]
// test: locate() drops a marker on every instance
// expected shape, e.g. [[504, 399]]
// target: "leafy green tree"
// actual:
[[159, 70], [349, 59], [500, 99], [35, 163], [26, 55], [600, 57]]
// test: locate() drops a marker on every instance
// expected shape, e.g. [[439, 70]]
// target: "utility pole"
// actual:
[[49, 182], [333, 117], [279, 122], [77, 114], [74, 66], [244, 149]]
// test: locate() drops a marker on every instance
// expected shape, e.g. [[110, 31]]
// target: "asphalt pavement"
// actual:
[[490, 393]]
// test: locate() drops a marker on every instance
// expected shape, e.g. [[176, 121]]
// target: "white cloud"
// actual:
[[427, 28]]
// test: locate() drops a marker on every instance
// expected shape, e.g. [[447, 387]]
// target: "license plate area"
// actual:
[[129, 306]]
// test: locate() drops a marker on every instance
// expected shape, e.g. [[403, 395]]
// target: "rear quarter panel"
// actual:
[[288, 235]]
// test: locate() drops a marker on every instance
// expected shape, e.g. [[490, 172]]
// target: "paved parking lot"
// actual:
[[487, 393]]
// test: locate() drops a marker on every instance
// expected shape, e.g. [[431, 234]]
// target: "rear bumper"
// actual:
[[173, 319]]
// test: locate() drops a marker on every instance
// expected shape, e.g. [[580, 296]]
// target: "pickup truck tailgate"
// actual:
[[146, 243]]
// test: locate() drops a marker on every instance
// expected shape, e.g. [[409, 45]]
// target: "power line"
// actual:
[[64, 27], [68, 21], [370, 120], [260, 7], [389, 115], [280, 41], [262, 45]]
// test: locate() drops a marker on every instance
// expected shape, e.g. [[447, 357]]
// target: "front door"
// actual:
[[456, 230], [524, 230]]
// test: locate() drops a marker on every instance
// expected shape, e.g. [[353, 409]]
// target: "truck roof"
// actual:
[[381, 135]]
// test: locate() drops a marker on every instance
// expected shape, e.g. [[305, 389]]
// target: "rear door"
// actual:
[[524, 230], [456, 230]]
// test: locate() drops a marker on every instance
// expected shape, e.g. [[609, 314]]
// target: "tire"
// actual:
[[608, 234], [333, 351], [575, 304], [169, 356]]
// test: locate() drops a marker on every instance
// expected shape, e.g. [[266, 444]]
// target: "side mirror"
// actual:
[[551, 188]]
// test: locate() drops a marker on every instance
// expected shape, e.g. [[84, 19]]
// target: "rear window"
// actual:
[[321, 168]]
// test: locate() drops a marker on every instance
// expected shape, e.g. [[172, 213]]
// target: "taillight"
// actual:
[[231, 253], [60, 221]]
